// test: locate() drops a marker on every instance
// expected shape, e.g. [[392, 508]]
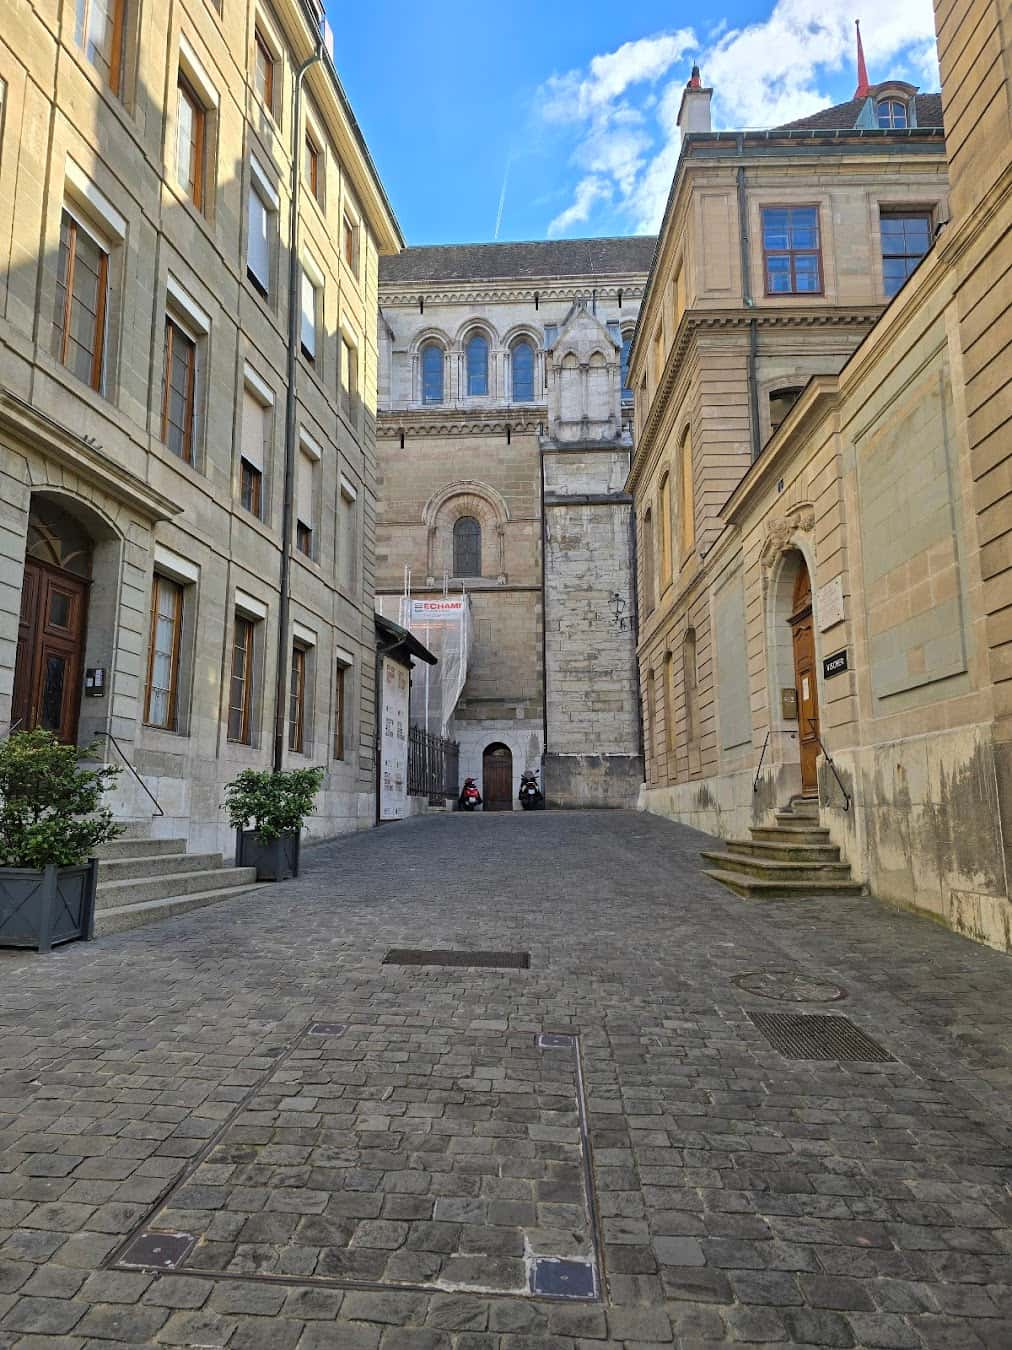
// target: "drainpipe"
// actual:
[[749, 299], [634, 596], [544, 620], [291, 407]]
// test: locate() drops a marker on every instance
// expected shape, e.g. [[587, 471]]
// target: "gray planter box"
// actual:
[[40, 907], [276, 861]]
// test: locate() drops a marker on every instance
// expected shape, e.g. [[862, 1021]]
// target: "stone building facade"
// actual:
[[145, 205], [504, 444], [835, 629]]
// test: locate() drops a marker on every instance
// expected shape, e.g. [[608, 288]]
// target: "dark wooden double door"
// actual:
[[803, 631], [497, 778], [47, 669]]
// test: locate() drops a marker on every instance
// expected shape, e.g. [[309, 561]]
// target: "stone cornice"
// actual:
[[698, 323], [461, 421], [35, 430], [505, 291], [962, 232]]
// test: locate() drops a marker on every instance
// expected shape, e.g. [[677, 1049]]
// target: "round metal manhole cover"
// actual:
[[790, 986]]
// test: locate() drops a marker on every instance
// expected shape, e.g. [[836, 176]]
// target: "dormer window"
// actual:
[[892, 114]]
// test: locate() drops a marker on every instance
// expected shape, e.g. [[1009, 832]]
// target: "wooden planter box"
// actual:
[[40, 907], [276, 861]]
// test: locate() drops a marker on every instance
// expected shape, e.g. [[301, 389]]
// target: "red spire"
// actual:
[[694, 79], [863, 87]]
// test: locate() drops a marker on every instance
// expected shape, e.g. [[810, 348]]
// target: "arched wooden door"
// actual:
[[497, 778], [805, 681]]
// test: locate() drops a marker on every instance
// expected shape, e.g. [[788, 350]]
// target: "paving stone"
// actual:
[[43, 1316]]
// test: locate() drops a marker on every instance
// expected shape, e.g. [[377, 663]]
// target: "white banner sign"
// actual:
[[394, 742]]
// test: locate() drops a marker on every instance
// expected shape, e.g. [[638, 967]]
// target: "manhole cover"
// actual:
[[328, 1029], [563, 1279], [818, 1036], [551, 1040], [164, 1251], [789, 986], [407, 956]]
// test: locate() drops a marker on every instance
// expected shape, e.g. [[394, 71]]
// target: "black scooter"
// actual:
[[531, 796]]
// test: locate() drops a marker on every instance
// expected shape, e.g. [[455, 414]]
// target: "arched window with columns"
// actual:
[[433, 367], [466, 547], [522, 370], [476, 355]]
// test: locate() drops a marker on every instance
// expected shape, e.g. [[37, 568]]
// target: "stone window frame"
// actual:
[[524, 332], [470, 328], [444, 509], [427, 337]]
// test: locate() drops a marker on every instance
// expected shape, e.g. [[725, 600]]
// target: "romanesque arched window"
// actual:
[[476, 352], [466, 547], [432, 373], [523, 371], [626, 349]]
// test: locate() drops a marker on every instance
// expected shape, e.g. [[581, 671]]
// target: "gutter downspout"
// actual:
[[544, 622], [635, 597], [749, 299], [288, 511], [382, 649]]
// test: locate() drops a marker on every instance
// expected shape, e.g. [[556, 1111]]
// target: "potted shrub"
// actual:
[[51, 819], [276, 804]]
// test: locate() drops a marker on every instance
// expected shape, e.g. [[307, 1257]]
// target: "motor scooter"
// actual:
[[470, 797], [531, 796]]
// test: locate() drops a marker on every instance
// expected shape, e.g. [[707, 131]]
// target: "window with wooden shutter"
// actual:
[[179, 381], [163, 654], [79, 328]]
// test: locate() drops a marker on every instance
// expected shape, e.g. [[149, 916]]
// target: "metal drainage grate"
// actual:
[[819, 1036], [163, 1251], [789, 986], [407, 956], [559, 1278], [551, 1040]]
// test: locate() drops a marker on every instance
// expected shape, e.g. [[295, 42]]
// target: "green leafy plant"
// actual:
[[50, 808], [276, 803]]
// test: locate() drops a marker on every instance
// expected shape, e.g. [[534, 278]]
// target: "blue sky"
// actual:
[[450, 95]]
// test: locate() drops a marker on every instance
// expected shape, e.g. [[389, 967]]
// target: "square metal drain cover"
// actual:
[[563, 1279], [328, 1029], [819, 1036], [409, 956], [163, 1251], [552, 1040]]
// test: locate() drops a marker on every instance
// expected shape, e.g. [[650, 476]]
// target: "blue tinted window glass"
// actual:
[[432, 373], [892, 113], [477, 365], [523, 373], [626, 349]]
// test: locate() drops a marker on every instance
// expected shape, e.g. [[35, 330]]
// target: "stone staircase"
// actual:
[[143, 880], [794, 857]]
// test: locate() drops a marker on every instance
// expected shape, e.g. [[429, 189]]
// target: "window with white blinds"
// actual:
[[254, 430], [258, 250], [309, 301], [305, 473]]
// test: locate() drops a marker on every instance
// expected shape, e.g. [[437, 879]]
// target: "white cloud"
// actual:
[[622, 107]]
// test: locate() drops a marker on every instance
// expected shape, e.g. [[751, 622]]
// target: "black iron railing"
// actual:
[[828, 758], [119, 750], [433, 765]]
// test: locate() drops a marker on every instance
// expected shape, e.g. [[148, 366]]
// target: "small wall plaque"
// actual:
[[789, 705], [829, 604], [834, 665]]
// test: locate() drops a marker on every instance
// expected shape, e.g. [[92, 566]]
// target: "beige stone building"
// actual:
[[827, 630], [146, 183], [504, 444]]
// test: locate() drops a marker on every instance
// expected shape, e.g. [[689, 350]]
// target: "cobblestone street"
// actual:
[[374, 1157]]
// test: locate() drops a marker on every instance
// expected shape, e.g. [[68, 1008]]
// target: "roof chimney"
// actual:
[[694, 111], [863, 87]]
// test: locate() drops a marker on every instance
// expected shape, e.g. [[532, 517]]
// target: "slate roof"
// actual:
[[843, 116], [535, 258]]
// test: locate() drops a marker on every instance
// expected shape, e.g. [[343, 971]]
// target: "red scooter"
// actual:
[[470, 797]]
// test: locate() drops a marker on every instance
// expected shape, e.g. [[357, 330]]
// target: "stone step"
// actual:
[[139, 848], [751, 888], [125, 917], [791, 834], [116, 894], [773, 869], [154, 865], [763, 848], [804, 806]]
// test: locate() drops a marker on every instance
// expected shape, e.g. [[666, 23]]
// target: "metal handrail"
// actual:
[[829, 760], [755, 785], [11, 728], [140, 780]]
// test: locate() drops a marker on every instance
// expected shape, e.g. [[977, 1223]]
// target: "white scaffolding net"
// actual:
[[443, 624]]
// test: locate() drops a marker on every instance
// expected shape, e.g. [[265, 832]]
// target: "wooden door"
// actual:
[[806, 682], [47, 668], [497, 778]]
